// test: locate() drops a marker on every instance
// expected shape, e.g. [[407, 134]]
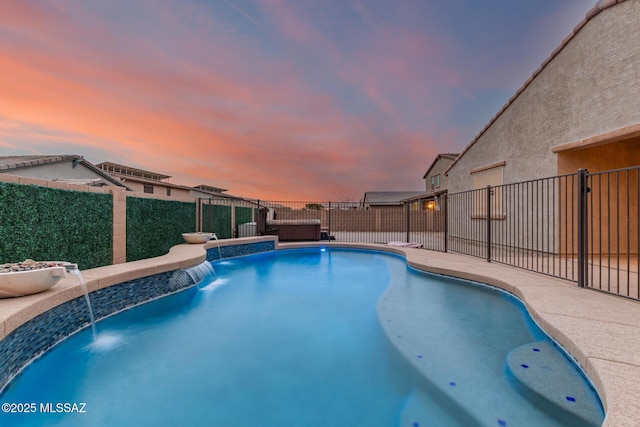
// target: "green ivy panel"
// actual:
[[154, 226], [217, 219], [244, 215], [44, 223]]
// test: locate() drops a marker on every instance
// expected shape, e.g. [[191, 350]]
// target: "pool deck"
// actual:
[[601, 331]]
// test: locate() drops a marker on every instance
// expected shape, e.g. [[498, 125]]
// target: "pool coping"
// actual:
[[599, 330]]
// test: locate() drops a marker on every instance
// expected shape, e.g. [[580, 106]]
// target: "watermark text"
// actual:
[[47, 407]]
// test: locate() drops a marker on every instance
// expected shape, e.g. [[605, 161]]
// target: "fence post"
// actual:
[[445, 202], [211, 215], [198, 215], [258, 233], [408, 225], [488, 223], [329, 224], [582, 227], [232, 206]]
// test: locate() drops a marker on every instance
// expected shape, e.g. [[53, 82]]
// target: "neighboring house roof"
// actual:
[[122, 170], [142, 176], [595, 10], [216, 194], [140, 180], [388, 197], [424, 195], [449, 156], [209, 188], [8, 163]]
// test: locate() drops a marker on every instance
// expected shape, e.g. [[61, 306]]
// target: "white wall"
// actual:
[[55, 171]]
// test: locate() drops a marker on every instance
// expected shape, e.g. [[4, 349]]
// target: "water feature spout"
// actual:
[[214, 237], [201, 272], [70, 267], [73, 269]]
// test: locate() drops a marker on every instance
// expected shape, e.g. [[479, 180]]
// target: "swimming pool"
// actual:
[[302, 337]]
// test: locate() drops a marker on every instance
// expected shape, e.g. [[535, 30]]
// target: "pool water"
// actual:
[[297, 338]]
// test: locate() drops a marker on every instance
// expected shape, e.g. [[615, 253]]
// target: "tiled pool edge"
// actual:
[[41, 329], [228, 250], [43, 332]]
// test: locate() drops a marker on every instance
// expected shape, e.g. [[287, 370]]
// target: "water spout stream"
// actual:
[[214, 237], [78, 275], [203, 272]]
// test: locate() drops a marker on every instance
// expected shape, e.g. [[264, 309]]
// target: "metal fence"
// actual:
[[353, 223], [223, 216], [611, 234], [530, 224], [580, 227]]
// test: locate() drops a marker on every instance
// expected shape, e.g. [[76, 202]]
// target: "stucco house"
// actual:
[[149, 182], [579, 109], [434, 178], [435, 184], [70, 169], [144, 181]]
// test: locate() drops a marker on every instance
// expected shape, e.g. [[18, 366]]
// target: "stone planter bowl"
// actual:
[[196, 237], [20, 283]]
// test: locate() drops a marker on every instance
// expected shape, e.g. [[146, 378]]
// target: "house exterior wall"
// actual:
[[622, 154], [613, 197], [159, 189], [195, 194], [438, 169], [590, 87], [55, 171]]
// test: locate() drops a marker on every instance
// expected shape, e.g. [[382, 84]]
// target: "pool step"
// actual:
[[546, 377]]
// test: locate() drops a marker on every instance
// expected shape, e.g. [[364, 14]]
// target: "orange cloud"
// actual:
[[214, 111]]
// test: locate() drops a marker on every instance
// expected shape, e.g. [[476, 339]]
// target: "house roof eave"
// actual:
[[594, 11], [451, 156]]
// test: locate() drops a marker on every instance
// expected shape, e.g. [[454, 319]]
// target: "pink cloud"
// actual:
[[208, 116], [289, 21]]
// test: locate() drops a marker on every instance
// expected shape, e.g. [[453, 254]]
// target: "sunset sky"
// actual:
[[271, 99]]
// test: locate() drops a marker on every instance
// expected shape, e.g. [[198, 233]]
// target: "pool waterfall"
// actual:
[[203, 272], [76, 272]]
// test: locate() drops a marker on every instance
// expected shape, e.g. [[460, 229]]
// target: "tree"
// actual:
[[314, 206]]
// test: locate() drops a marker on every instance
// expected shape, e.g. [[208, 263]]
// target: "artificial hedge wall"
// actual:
[[48, 224], [244, 215], [217, 219], [154, 226]]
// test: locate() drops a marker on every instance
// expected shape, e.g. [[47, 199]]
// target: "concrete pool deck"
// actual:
[[600, 331]]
